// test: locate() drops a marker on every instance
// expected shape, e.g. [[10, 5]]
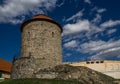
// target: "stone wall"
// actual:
[[41, 39], [23, 68], [40, 49]]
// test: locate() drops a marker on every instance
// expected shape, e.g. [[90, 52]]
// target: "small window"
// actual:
[[97, 62], [101, 61], [52, 34], [28, 36], [29, 54], [92, 62], [87, 62], [43, 58]]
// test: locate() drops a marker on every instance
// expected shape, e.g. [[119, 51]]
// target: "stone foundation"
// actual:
[[26, 67]]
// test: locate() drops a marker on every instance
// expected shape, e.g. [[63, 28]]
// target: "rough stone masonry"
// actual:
[[40, 47]]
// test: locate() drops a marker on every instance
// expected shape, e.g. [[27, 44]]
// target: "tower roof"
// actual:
[[40, 17]]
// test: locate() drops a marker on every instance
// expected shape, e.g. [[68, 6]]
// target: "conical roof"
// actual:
[[40, 17]]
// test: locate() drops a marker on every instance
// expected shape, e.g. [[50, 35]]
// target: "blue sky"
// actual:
[[90, 27]]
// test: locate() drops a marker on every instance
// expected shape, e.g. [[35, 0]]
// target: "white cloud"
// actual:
[[68, 55], [92, 46], [61, 4], [71, 44], [111, 31], [97, 18], [107, 53], [81, 25], [92, 32], [89, 33], [99, 45], [98, 10], [100, 48], [118, 56], [87, 1], [101, 10], [78, 15], [12, 9], [94, 9], [110, 23]]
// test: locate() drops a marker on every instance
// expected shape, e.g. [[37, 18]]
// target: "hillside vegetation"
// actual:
[[48, 81], [40, 81]]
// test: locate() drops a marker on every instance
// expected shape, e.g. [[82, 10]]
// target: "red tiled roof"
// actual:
[[40, 17], [5, 66]]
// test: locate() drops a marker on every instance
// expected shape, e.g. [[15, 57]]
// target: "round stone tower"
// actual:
[[40, 46], [41, 39]]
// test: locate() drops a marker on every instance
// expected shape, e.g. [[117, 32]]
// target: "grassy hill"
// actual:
[[39, 81], [47, 81]]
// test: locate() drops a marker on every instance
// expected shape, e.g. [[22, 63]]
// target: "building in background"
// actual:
[[108, 67], [5, 69]]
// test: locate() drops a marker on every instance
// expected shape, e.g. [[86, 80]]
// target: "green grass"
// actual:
[[39, 81]]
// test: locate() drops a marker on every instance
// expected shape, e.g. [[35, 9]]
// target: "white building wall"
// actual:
[[110, 68]]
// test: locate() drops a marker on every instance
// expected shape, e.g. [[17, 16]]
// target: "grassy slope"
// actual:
[[39, 81]]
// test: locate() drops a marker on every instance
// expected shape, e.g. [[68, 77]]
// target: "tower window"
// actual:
[[29, 54], [52, 34], [28, 36]]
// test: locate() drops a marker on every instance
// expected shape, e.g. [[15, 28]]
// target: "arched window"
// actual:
[[52, 34], [28, 36]]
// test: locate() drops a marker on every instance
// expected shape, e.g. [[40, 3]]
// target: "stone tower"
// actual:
[[40, 47]]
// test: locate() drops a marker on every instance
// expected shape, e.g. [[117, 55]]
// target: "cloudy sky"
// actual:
[[91, 28]]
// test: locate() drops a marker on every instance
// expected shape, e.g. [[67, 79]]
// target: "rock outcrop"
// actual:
[[82, 74]]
